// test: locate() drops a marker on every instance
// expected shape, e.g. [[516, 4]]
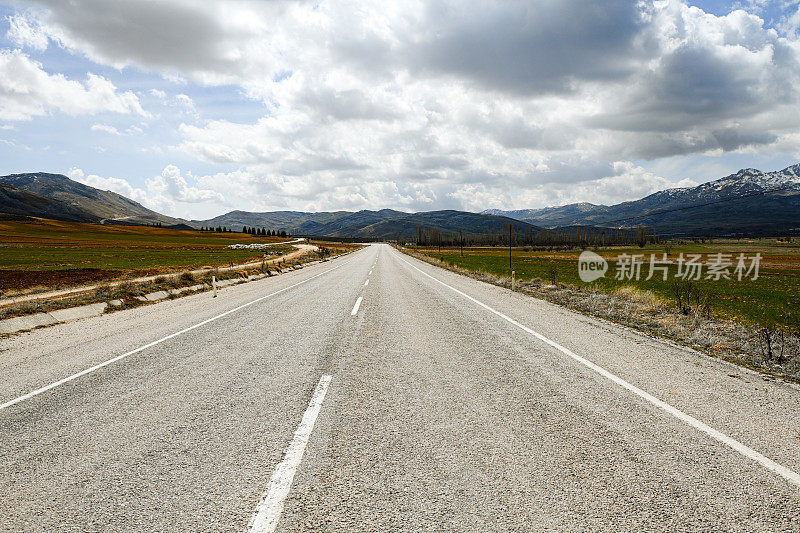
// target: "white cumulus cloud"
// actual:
[[26, 90], [168, 192], [105, 128], [25, 32]]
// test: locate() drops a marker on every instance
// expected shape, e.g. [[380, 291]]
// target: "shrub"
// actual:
[[644, 297], [126, 289], [103, 292]]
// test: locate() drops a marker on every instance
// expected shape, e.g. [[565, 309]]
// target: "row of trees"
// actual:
[[528, 236], [639, 235], [264, 232], [218, 229]]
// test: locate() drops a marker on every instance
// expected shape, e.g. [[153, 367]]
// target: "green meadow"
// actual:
[[773, 296]]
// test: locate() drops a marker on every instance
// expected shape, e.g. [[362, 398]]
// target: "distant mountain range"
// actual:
[[743, 203], [58, 197], [739, 203], [386, 223]]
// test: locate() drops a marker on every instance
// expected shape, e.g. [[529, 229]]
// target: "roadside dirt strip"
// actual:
[[6, 301], [419, 401], [42, 319]]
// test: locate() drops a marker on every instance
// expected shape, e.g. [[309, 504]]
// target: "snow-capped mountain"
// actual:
[[749, 202], [746, 181]]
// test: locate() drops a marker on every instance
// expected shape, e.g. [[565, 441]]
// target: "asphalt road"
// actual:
[[378, 393]]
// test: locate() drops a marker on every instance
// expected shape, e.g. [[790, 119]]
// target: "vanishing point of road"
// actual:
[[376, 392]]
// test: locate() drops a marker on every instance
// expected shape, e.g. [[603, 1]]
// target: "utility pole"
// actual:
[[509, 246], [461, 233]]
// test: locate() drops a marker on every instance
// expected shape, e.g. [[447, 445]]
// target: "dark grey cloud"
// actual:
[[731, 139], [657, 145], [570, 170], [436, 162], [520, 132], [184, 37], [529, 47], [697, 84]]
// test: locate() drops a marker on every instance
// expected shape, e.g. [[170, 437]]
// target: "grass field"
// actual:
[[49, 245], [774, 296]]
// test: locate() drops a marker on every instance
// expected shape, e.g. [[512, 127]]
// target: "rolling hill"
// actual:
[[386, 223], [14, 201], [743, 203], [58, 197]]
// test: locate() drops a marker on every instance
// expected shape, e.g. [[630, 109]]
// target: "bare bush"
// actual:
[[772, 342], [104, 292], [690, 298]]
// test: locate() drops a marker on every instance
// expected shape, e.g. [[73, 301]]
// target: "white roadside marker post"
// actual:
[[513, 280], [214, 285]]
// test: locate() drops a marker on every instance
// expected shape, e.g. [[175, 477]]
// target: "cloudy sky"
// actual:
[[197, 108]]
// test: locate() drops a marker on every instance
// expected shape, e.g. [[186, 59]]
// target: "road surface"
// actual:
[[376, 392]]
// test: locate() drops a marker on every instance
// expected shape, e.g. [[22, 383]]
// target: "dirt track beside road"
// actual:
[[41, 278]]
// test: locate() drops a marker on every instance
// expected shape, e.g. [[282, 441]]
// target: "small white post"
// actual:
[[513, 280], [214, 285]]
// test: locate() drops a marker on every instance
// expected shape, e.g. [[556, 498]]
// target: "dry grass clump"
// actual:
[[645, 298], [127, 289], [104, 292], [24, 308]]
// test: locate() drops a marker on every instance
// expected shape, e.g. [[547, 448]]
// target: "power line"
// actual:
[[663, 211]]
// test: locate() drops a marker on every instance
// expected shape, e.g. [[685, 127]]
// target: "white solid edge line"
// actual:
[[355, 307], [366, 283], [269, 508], [151, 344], [786, 473]]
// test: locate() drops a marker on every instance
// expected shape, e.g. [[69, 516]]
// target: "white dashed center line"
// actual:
[[355, 307], [269, 509]]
